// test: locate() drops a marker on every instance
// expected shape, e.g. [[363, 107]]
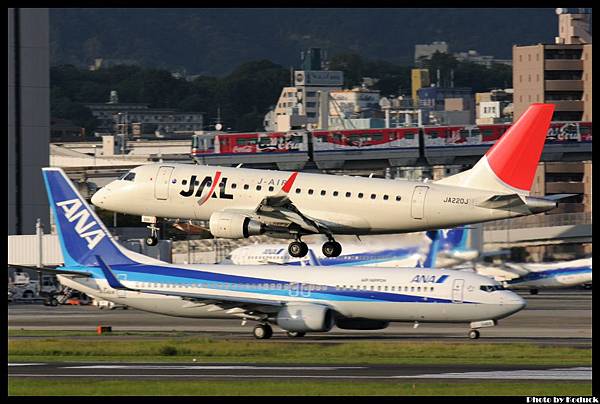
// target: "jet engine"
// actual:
[[305, 317], [233, 225], [361, 324]]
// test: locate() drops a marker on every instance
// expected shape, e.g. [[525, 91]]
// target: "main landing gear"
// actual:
[[299, 249], [262, 331], [473, 334]]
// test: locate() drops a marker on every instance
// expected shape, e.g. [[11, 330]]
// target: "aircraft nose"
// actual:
[[100, 196], [515, 303]]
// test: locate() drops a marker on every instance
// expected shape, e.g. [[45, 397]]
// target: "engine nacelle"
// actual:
[[233, 225], [360, 324], [305, 317]]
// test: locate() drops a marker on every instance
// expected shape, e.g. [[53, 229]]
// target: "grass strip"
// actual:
[[91, 387], [208, 350]]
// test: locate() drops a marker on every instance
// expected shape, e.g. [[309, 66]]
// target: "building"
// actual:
[[299, 105], [559, 73], [425, 51], [494, 107], [28, 117], [448, 106], [139, 119], [419, 79], [473, 56], [574, 26]]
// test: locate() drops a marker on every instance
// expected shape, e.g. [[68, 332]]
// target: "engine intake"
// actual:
[[233, 225], [305, 317]]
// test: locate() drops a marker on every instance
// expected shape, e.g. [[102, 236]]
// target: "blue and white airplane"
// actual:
[[406, 250], [546, 275], [298, 300]]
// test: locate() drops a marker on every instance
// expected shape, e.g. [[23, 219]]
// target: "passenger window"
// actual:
[[386, 197], [379, 287], [246, 186], [418, 289], [348, 194], [298, 190], [360, 194], [372, 287], [335, 193], [431, 289], [398, 198], [183, 182], [373, 196], [323, 192], [233, 186], [393, 288], [412, 288], [385, 288], [310, 191], [271, 189], [258, 187]]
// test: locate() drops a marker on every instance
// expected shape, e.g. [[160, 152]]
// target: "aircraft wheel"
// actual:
[[296, 334], [262, 331], [298, 249], [332, 249], [151, 240], [473, 334]]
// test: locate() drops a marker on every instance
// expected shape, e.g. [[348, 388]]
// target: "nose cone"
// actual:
[[100, 197], [513, 303]]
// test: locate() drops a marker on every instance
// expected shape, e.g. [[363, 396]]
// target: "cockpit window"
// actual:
[[491, 288], [130, 176]]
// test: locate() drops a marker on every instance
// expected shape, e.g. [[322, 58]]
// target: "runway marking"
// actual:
[[550, 374], [212, 367], [25, 364], [580, 373]]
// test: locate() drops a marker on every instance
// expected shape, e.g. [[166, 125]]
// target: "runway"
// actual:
[[553, 317], [261, 371]]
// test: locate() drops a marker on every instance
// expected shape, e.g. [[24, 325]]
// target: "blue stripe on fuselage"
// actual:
[[551, 273], [171, 275]]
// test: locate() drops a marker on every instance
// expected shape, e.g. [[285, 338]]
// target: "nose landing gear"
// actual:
[[153, 238]]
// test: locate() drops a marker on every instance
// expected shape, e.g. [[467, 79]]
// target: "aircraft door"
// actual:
[[457, 290], [161, 186], [417, 204]]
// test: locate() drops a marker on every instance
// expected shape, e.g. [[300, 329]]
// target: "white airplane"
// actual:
[[240, 202], [298, 300], [548, 275], [405, 250]]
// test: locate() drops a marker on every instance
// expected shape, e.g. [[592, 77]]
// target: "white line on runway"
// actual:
[[582, 373], [25, 364], [211, 367]]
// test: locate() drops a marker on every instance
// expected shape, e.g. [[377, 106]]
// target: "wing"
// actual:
[[282, 211], [243, 306]]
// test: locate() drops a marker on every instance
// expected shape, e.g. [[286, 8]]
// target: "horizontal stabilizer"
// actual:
[[56, 271], [558, 197], [110, 277]]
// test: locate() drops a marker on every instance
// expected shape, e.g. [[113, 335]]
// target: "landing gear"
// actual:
[[296, 334], [473, 334], [332, 248], [262, 331], [153, 238], [298, 249]]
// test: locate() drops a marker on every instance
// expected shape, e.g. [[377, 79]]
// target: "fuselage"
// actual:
[[345, 204], [377, 294]]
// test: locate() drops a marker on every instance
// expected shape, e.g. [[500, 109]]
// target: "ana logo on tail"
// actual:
[[72, 210]]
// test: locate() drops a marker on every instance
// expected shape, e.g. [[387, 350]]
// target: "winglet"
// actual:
[[110, 277]]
